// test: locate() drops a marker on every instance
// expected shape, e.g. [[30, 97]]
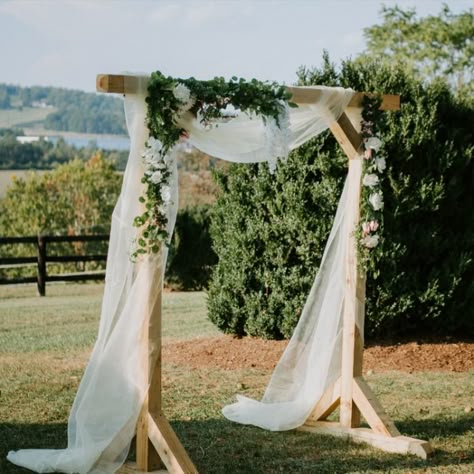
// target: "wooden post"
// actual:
[[146, 455], [351, 347], [41, 271], [156, 442]]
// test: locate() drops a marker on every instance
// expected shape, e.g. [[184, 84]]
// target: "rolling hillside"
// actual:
[[57, 109]]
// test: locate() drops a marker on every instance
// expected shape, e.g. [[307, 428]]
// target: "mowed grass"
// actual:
[[45, 344]]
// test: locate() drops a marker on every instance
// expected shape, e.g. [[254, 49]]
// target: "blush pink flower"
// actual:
[[366, 228], [373, 226]]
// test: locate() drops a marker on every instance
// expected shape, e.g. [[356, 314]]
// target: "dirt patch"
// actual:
[[226, 352]]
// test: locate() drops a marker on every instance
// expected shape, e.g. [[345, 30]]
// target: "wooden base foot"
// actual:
[[167, 447], [131, 468], [395, 444]]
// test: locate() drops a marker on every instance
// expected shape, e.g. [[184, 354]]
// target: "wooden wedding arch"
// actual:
[[156, 441]]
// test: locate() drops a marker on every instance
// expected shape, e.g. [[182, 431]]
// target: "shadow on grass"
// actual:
[[433, 428], [219, 446], [20, 436]]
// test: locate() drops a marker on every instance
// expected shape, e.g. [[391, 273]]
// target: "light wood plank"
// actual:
[[328, 402], [396, 444], [347, 136], [351, 339], [146, 455], [131, 468], [389, 101], [372, 410], [168, 446]]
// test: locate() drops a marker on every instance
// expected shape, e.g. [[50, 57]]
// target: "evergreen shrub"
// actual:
[[269, 232], [191, 255]]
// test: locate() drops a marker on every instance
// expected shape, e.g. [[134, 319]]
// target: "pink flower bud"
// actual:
[[366, 228], [368, 154], [373, 225]]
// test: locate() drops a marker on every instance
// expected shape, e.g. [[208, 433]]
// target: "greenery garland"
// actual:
[[167, 99], [369, 230]]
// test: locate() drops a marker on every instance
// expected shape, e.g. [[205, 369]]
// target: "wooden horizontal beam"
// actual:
[[396, 444], [121, 84], [309, 95]]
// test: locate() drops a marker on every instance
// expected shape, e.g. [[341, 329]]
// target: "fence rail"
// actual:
[[41, 259]]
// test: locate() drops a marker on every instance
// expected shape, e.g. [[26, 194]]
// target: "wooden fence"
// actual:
[[42, 258]]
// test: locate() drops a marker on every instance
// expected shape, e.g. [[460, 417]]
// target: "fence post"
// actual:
[[41, 265]]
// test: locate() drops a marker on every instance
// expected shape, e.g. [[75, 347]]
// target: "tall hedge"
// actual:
[[269, 232], [191, 256]]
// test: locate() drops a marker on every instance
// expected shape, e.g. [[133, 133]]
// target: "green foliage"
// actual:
[[269, 231], [76, 198], [433, 46], [191, 256], [77, 111]]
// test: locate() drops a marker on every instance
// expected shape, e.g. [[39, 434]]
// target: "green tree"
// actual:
[[75, 198], [433, 46]]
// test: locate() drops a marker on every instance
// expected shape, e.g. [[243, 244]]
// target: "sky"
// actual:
[[67, 42]]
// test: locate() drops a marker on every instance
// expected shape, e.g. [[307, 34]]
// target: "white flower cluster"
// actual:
[[183, 94], [372, 181], [156, 167]]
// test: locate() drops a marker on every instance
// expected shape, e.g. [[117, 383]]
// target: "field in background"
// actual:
[[14, 118], [45, 344]]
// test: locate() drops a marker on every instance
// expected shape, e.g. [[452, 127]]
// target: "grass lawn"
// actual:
[[45, 343]]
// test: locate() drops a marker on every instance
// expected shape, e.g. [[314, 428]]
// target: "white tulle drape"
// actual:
[[312, 359], [115, 383]]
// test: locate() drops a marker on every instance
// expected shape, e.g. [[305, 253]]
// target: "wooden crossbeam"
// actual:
[[123, 84], [390, 444], [327, 403]]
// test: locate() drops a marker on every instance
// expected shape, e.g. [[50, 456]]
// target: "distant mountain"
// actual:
[[55, 108]]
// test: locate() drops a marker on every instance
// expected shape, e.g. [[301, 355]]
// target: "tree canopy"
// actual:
[[433, 46]]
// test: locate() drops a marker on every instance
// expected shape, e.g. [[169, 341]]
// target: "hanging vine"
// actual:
[[370, 227]]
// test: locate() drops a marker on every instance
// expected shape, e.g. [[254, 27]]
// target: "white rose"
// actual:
[[155, 177], [154, 144], [381, 164], [370, 241], [370, 180], [373, 143], [166, 193], [151, 158], [376, 201], [183, 94]]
